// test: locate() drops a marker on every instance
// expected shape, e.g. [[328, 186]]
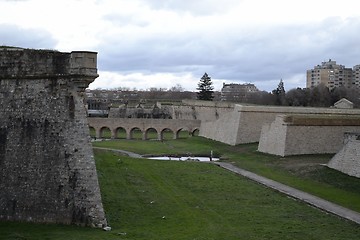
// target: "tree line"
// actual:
[[319, 96]]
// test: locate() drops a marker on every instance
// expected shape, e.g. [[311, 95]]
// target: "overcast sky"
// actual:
[[161, 43]]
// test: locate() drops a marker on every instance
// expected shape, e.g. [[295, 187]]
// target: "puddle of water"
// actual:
[[197, 159]]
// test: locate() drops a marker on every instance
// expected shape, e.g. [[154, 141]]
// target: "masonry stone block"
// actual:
[[347, 160], [243, 124], [143, 124], [47, 168], [306, 134]]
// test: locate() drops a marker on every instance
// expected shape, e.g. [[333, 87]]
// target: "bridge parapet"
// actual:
[[143, 124]]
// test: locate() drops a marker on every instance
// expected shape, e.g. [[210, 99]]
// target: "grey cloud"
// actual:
[[261, 55], [198, 7], [13, 35]]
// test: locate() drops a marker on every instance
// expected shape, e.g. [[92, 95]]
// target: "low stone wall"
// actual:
[[244, 123], [347, 160], [304, 134]]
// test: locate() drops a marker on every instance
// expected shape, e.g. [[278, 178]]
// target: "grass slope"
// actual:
[[147, 199], [303, 172], [186, 200]]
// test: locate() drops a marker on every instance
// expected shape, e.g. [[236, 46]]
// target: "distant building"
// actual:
[[344, 103], [332, 75], [237, 92], [356, 76]]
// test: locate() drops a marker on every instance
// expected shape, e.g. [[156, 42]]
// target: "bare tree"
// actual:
[[176, 88], [320, 96], [298, 97]]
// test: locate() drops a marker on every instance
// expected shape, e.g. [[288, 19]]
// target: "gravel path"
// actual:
[[130, 154], [297, 194]]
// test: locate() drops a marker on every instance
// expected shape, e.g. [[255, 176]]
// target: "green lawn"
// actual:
[[202, 201], [149, 199], [303, 172]]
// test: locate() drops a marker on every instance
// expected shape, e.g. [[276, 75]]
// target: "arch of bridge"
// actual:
[[143, 124]]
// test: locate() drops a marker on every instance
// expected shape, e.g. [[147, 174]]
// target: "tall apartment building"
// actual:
[[356, 76], [237, 92], [332, 75]]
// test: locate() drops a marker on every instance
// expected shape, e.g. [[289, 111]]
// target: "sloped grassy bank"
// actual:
[[306, 173], [149, 199]]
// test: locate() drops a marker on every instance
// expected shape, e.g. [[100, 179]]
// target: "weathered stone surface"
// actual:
[[187, 110], [200, 110], [244, 123], [144, 124], [47, 168], [347, 160], [306, 134]]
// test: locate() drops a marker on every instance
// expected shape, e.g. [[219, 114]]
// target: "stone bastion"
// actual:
[[244, 123], [47, 168], [347, 160], [306, 134]]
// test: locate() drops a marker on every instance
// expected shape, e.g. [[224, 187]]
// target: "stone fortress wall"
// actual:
[[347, 160], [187, 110], [200, 110], [306, 134], [47, 168], [189, 115], [288, 131], [280, 131], [244, 123], [139, 111]]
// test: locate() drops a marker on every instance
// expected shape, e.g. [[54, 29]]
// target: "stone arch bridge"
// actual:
[[145, 125]]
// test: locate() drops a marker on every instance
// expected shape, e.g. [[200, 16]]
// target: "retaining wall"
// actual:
[[200, 110], [187, 110], [244, 123], [304, 134], [347, 160]]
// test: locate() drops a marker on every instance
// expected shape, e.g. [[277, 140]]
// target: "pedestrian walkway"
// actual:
[[130, 154], [292, 192]]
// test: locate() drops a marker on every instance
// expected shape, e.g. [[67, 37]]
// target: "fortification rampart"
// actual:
[[244, 123], [306, 134], [347, 160], [201, 110], [47, 168], [187, 110], [155, 112]]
